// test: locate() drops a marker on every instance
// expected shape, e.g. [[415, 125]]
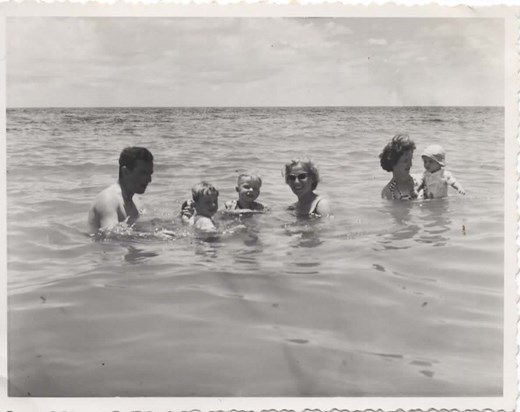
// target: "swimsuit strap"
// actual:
[[314, 205], [231, 205], [393, 187]]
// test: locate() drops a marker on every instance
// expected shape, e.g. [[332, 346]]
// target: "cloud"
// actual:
[[335, 28], [378, 42], [250, 61]]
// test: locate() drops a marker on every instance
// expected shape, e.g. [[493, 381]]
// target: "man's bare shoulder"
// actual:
[[105, 208], [108, 197]]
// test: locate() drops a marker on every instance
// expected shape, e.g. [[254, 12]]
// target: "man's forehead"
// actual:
[[144, 164]]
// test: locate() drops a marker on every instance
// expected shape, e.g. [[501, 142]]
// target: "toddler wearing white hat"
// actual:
[[436, 178]]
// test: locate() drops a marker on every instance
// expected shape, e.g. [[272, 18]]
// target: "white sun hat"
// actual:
[[435, 152]]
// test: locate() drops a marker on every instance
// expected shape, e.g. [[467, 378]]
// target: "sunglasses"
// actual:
[[301, 176]]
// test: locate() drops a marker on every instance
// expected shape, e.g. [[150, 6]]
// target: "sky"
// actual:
[[154, 62]]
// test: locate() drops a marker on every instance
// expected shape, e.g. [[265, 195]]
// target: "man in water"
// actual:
[[115, 204]]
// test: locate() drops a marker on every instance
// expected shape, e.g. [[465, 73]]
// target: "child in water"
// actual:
[[435, 178], [248, 188], [200, 211]]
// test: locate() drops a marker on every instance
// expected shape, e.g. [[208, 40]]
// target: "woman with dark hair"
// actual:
[[302, 177], [396, 157]]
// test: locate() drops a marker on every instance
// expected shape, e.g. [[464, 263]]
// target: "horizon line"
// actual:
[[239, 107]]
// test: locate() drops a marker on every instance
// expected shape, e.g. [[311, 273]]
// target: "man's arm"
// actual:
[[104, 212], [108, 216]]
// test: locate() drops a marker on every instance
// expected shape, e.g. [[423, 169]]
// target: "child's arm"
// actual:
[[420, 184], [205, 224], [450, 179]]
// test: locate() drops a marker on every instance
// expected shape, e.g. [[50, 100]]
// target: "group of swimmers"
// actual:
[[116, 203], [301, 175]]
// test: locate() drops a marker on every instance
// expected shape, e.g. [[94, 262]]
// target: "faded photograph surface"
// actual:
[[308, 207]]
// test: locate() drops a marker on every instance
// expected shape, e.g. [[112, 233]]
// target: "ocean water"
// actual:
[[383, 299]]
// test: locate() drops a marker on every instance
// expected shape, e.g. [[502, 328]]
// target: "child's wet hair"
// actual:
[[203, 189], [249, 176], [393, 151], [308, 166]]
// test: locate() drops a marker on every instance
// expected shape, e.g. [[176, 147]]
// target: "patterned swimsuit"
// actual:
[[396, 193], [233, 205]]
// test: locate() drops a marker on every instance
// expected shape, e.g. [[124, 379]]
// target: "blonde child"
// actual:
[[248, 189], [436, 178], [200, 211]]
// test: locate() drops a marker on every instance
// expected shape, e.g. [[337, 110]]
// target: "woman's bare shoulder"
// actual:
[[323, 207], [385, 193]]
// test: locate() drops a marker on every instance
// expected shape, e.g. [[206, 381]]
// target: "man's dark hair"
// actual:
[[130, 155], [393, 151]]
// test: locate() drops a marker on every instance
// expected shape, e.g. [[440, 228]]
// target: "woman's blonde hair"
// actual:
[[306, 165]]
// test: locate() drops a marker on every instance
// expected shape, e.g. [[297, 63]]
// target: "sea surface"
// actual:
[[383, 299]]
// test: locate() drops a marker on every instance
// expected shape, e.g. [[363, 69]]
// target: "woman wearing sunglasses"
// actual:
[[302, 177]]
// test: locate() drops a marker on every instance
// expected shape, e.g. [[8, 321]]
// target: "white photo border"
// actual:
[[505, 402]]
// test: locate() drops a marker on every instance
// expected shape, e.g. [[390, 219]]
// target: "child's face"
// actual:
[[248, 190], [430, 165], [207, 205]]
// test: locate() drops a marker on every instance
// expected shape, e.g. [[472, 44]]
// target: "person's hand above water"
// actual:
[[187, 210]]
